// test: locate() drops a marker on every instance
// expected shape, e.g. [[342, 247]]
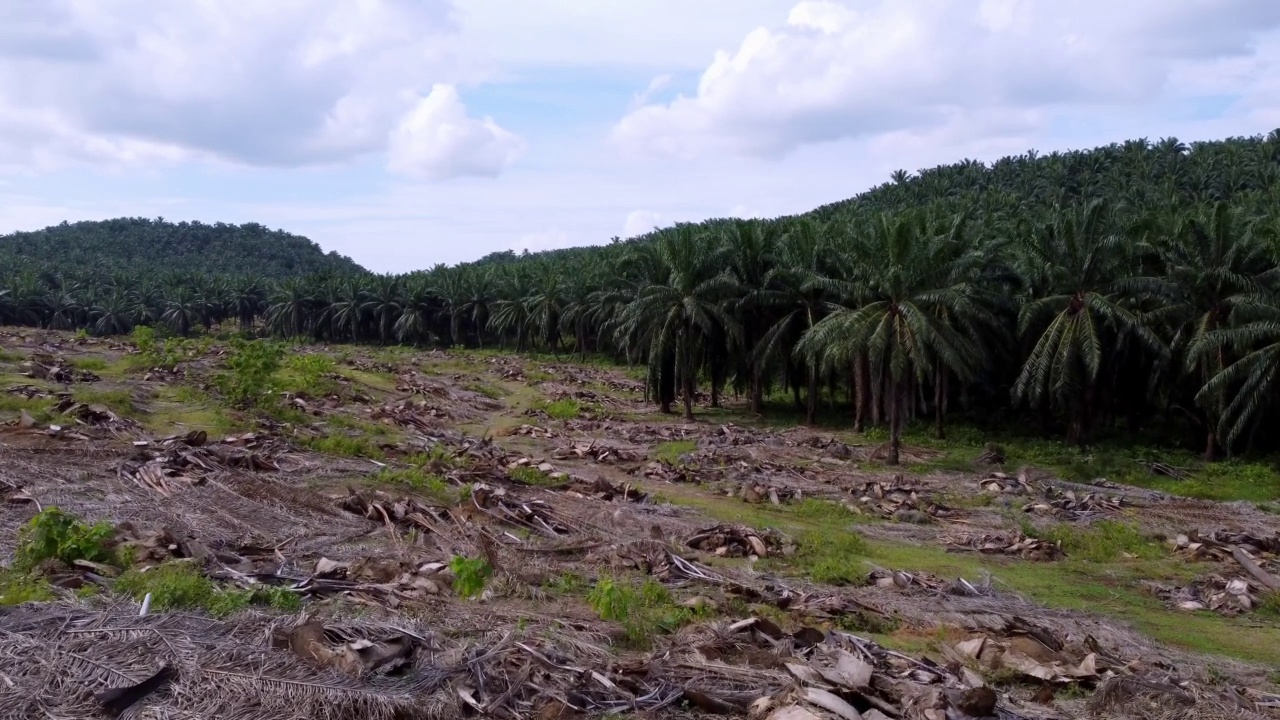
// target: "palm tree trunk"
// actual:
[[939, 403], [757, 390], [861, 392], [896, 404], [811, 407]]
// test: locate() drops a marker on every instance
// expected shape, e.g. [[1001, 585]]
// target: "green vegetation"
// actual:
[[566, 409], [1102, 541], [490, 391], [670, 451], [1130, 291], [644, 609], [54, 534], [344, 446], [250, 366], [415, 477], [470, 575], [531, 476], [179, 585], [308, 375], [91, 364], [17, 588]]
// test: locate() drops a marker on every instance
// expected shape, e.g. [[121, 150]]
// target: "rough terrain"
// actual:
[[476, 534]]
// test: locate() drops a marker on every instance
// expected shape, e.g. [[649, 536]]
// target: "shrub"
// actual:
[[181, 586], [566, 409], [55, 534], [469, 575], [645, 610], [249, 369]]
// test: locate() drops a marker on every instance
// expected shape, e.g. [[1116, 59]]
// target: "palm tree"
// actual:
[[908, 283], [672, 318], [1077, 270], [1253, 381], [1211, 259]]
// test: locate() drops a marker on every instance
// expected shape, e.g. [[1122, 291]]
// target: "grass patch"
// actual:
[[566, 409], [9, 356], [670, 451], [118, 399], [376, 381], [1102, 541], [645, 609], [344, 446], [490, 391], [833, 558], [17, 588], [91, 364], [308, 375], [180, 586], [531, 476], [427, 483], [188, 408]]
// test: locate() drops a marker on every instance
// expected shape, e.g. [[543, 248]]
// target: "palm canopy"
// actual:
[[1077, 312], [911, 295]]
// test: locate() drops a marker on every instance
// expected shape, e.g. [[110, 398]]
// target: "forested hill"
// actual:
[[143, 247]]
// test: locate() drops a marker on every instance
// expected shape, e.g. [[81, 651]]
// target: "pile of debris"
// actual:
[[416, 413], [600, 489], [1220, 544], [166, 465], [1068, 505], [1007, 543], [758, 492], [741, 541], [899, 501], [54, 371], [998, 482], [1225, 596], [597, 451], [535, 431]]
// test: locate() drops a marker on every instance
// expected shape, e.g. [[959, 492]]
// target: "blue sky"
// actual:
[[409, 132]]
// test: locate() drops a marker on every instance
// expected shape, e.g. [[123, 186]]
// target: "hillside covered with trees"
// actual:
[[142, 247], [1126, 288]]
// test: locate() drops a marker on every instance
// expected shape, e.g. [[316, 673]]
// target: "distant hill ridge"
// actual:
[[148, 247]]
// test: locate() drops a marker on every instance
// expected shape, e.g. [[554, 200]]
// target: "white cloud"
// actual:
[[287, 82], [437, 141], [640, 222], [656, 85], [833, 72]]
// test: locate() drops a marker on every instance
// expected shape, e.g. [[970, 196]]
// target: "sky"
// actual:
[[405, 133]]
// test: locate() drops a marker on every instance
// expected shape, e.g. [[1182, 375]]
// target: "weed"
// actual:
[[55, 534], [566, 584], [249, 369], [566, 409], [861, 621], [179, 586], [429, 484], [93, 364], [832, 558], [344, 446], [17, 588], [1269, 605], [166, 353], [119, 400], [489, 391], [1103, 541], [670, 451], [469, 575], [308, 375], [530, 476], [9, 356], [644, 609], [538, 376]]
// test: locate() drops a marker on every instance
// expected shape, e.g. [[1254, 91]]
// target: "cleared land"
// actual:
[[402, 534]]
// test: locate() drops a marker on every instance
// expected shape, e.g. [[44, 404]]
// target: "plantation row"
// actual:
[[1128, 288]]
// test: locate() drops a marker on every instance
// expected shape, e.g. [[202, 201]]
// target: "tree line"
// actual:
[[1115, 289]]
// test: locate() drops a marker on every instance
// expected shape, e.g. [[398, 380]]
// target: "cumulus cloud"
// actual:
[[640, 222], [437, 140], [287, 82], [833, 71]]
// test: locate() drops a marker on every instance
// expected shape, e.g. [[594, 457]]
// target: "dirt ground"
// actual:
[[476, 534]]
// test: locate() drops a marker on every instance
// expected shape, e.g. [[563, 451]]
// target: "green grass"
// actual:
[[531, 476], [566, 409], [17, 588], [1102, 541], [344, 446], [645, 609], [118, 400], [9, 356], [670, 451], [426, 483], [180, 586], [182, 408], [91, 364], [492, 392]]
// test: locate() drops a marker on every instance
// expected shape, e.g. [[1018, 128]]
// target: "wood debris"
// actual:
[[741, 541], [1078, 507], [1007, 543], [897, 500]]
